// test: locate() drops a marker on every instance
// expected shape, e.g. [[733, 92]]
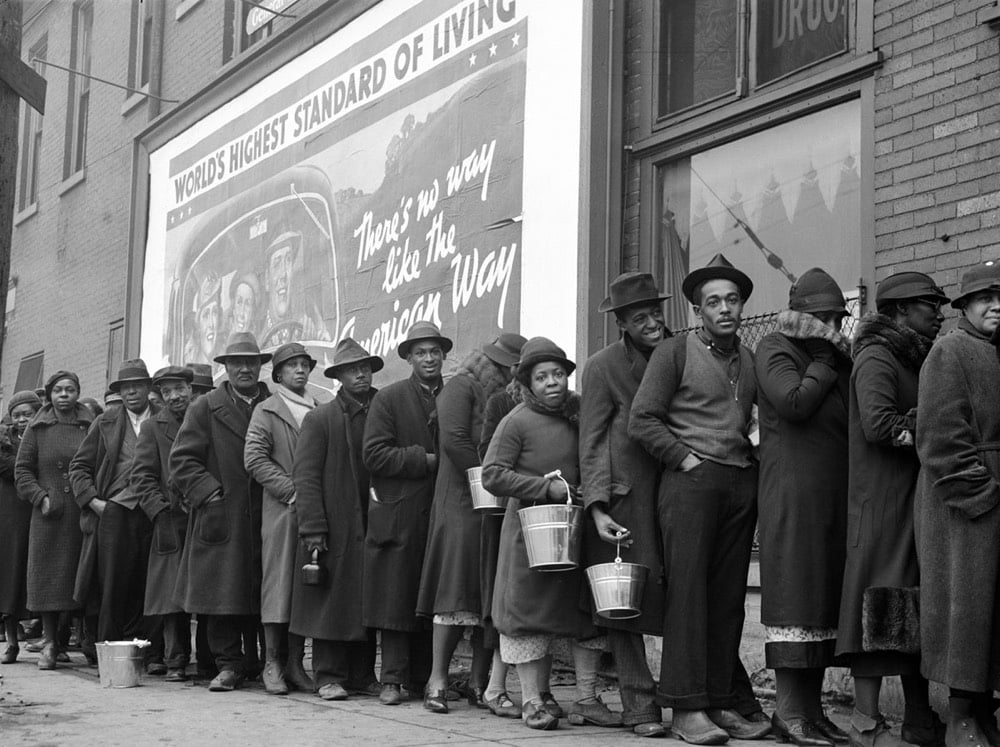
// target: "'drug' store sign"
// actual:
[[792, 34], [376, 181]]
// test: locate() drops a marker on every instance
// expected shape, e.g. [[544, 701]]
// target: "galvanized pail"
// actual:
[[552, 536], [617, 588], [120, 663], [482, 499]]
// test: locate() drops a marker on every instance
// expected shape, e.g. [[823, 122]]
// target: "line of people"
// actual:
[[870, 467]]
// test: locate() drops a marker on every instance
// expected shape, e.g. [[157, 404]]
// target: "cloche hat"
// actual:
[[506, 349], [905, 285], [539, 350], [816, 291], [982, 277], [285, 353]]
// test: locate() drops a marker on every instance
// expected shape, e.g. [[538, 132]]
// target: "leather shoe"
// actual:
[[156, 668], [296, 678], [225, 681], [736, 726], [372, 689], [10, 653], [503, 706], [801, 731], [476, 696], [47, 658], [390, 694], [332, 691], [36, 646], [696, 727], [651, 729], [274, 683], [175, 674], [551, 705], [830, 730], [595, 713], [870, 732], [436, 701], [536, 716], [922, 725], [63, 658]]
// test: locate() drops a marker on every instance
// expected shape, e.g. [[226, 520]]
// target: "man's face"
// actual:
[[721, 308], [983, 311], [279, 280], [244, 308], [209, 319], [294, 374], [643, 324], [176, 395], [923, 316], [426, 357], [243, 372], [356, 379], [135, 395]]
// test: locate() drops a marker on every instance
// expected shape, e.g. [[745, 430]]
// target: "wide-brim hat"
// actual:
[[349, 353], [816, 292], [242, 345], [902, 286], [131, 370], [719, 268], [631, 288], [423, 331], [202, 375], [983, 277], [293, 238], [173, 373], [285, 353], [506, 349], [540, 350]]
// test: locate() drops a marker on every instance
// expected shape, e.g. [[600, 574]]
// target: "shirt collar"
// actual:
[[138, 420]]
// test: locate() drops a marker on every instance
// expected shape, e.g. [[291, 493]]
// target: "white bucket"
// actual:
[[617, 589], [482, 499], [120, 662], [552, 536]]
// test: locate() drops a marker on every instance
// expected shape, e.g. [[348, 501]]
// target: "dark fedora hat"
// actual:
[[131, 370], [506, 349], [719, 268], [540, 350], [173, 373], [901, 286], [349, 353], [242, 345], [202, 376], [423, 331], [285, 353], [979, 278], [631, 288]]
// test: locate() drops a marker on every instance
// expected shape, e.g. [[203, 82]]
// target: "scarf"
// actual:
[[800, 325], [569, 409], [298, 406], [480, 368], [908, 347]]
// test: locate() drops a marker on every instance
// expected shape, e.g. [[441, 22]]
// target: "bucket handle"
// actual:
[[556, 474], [618, 547]]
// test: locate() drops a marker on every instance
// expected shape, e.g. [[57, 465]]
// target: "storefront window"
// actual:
[[775, 203]]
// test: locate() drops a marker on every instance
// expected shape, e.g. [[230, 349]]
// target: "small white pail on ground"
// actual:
[[120, 662]]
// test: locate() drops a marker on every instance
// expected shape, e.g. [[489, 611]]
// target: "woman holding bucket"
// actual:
[[533, 610]]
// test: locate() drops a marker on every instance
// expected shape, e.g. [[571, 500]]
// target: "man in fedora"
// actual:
[[100, 475], [161, 503], [400, 451], [202, 382], [220, 571], [331, 489], [692, 413], [268, 456]]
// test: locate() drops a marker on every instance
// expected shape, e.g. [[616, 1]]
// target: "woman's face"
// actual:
[[64, 395], [209, 317], [983, 311], [244, 308], [549, 382], [21, 415]]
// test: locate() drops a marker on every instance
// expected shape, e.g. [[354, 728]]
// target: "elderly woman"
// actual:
[[41, 473], [534, 610], [15, 521], [957, 520], [803, 373], [890, 345]]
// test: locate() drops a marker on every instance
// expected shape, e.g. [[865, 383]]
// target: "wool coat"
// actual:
[[54, 541], [332, 488], [160, 501], [957, 519], [620, 475], [268, 457], [15, 523], [400, 432], [220, 571], [881, 546], [91, 473], [526, 446], [802, 494]]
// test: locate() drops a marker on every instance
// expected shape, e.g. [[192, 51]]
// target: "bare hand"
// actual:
[[46, 506], [608, 529], [97, 506], [557, 490], [432, 462], [690, 462]]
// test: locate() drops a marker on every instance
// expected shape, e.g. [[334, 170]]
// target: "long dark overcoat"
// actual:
[[802, 495], [161, 502], [15, 523], [220, 567], [450, 580], [620, 474], [881, 546], [54, 541], [332, 489], [400, 432], [957, 519]]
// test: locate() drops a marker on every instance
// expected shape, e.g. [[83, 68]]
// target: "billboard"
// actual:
[[377, 180]]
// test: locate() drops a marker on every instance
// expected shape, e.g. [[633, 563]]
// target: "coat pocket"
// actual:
[[88, 521], [165, 538], [383, 523], [213, 522]]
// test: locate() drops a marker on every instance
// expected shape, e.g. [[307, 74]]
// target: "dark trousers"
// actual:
[[226, 634], [707, 518], [176, 640], [406, 658], [348, 663], [203, 652], [123, 540], [635, 681]]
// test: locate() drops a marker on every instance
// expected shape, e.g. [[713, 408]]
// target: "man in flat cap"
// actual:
[[400, 451], [161, 503], [100, 474], [220, 571]]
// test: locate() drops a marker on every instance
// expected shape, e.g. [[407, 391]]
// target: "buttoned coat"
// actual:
[[54, 541], [957, 519], [269, 455], [220, 570], [620, 475], [160, 501], [15, 523], [332, 499], [400, 432]]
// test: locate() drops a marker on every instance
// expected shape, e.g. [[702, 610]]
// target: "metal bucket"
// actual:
[[552, 536], [482, 499], [617, 589], [120, 662]]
